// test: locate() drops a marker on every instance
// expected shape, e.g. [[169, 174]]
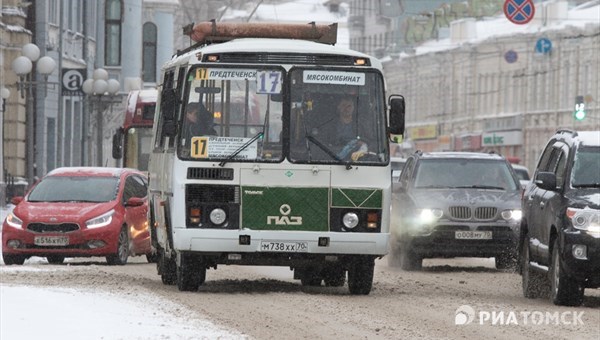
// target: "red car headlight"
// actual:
[[100, 221], [14, 221]]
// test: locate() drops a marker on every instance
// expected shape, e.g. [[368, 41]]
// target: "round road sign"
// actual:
[[511, 56], [519, 12], [543, 46]]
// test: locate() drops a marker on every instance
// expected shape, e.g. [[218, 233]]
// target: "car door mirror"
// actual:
[[134, 202], [16, 200], [546, 180], [169, 128], [169, 103]]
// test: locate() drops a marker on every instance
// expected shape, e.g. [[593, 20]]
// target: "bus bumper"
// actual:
[[253, 241]]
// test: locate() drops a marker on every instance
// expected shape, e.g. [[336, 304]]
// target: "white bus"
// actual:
[[274, 179]]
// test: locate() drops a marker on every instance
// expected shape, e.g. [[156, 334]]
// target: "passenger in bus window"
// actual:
[[198, 121]]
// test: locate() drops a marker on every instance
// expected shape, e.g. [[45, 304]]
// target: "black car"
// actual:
[[455, 204], [560, 241]]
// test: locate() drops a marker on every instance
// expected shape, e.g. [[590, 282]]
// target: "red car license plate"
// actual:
[[51, 240]]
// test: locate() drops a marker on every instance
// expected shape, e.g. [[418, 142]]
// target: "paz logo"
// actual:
[[464, 315], [284, 219]]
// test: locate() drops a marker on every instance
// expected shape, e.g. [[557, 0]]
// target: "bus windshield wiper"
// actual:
[[327, 150], [479, 186], [240, 149], [586, 185]]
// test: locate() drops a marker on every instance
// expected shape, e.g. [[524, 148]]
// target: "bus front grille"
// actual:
[[202, 193], [210, 173]]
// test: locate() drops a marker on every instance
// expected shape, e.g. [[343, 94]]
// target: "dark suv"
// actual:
[[560, 241], [450, 204]]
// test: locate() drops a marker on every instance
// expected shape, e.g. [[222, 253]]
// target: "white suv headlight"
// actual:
[[515, 214], [585, 219], [100, 221], [427, 216]]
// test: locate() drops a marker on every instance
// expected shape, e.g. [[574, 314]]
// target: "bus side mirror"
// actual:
[[117, 144], [169, 104], [169, 128], [397, 107]]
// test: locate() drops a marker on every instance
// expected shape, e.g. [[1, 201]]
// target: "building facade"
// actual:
[[502, 93], [130, 39]]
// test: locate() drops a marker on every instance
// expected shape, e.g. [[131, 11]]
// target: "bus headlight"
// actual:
[[350, 220], [218, 216]]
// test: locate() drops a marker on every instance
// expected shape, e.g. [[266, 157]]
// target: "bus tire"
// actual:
[[191, 273], [334, 276], [360, 276], [310, 277], [167, 268]]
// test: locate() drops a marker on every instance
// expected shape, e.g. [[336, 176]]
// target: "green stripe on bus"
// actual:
[[268, 208], [356, 198]]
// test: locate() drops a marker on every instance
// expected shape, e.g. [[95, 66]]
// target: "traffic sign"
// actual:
[[519, 12], [543, 46], [511, 56]]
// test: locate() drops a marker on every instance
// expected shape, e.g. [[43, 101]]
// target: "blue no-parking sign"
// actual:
[[519, 12]]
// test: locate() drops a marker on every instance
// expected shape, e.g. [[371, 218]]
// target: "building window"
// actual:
[[53, 12], [149, 53], [112, 50]]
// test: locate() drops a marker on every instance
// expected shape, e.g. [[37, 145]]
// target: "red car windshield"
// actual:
[[75, 189]]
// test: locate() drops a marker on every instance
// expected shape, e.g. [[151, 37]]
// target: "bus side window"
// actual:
[[160, 136], [178, 85]]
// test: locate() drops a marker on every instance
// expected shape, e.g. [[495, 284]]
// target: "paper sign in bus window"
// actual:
[[268, 82], [333, 77], [222, 147]]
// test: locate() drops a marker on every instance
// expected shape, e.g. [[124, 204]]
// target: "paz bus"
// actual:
[[132, 142], [276, 185]]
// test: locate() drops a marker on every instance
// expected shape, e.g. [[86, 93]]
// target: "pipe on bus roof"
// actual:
[[211, 31]]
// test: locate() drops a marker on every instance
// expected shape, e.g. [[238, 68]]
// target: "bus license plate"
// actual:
[[51, 240], [473, 235], [286, 247]]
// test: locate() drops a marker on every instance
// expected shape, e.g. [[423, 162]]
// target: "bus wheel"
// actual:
[[360, 276], [167, 268], [310, 277], [334, 276], [191, 273]]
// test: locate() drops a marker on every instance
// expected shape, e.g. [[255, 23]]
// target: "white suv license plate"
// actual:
[[285, 247], [473, 235], [51, 240]]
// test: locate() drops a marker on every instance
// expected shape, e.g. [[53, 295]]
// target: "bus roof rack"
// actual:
[[210, 32]]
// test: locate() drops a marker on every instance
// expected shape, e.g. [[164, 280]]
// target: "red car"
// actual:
[[80, 212]]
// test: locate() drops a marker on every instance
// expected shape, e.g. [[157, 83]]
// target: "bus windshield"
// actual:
[[232, 113], [337, 116], [236, 114]]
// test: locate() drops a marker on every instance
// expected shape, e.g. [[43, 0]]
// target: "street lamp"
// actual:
[[4, 94], [22, 66], [100, 90]]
